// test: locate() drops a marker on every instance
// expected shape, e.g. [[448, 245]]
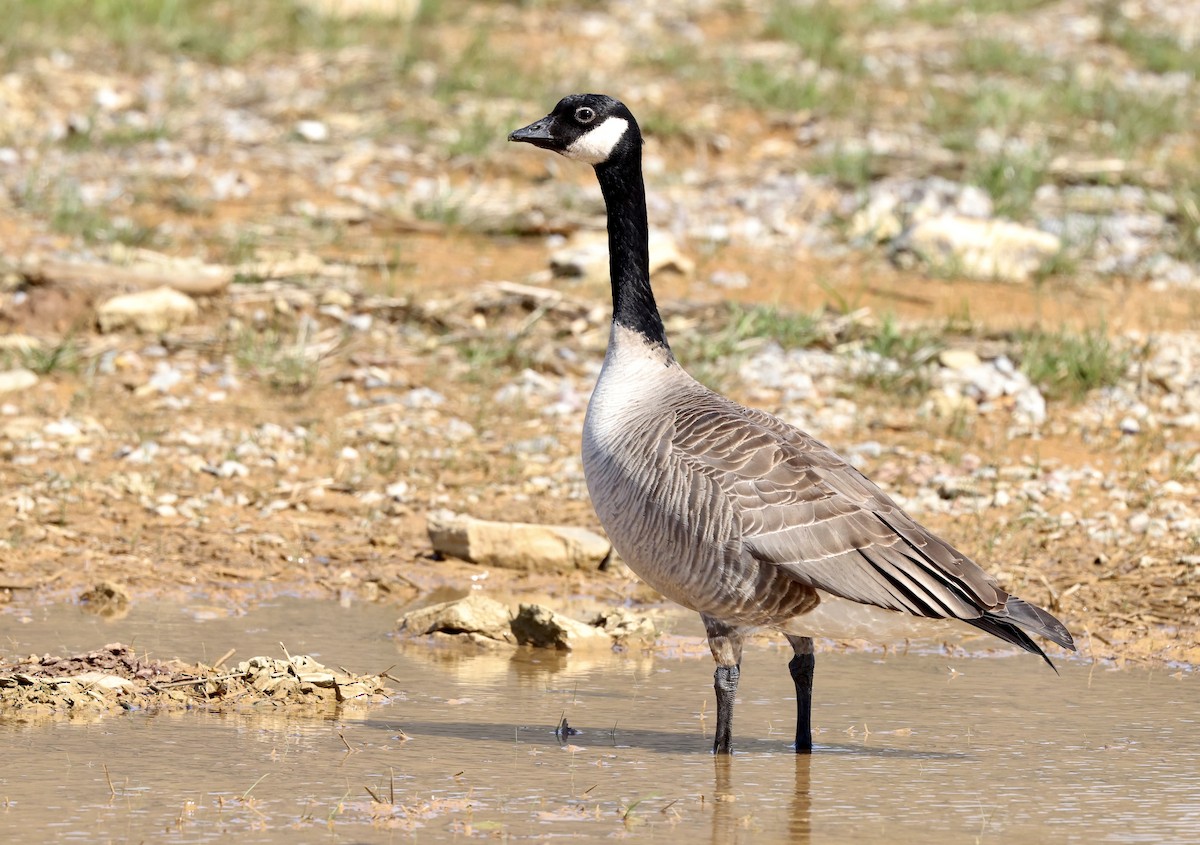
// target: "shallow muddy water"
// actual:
[[913, 748]]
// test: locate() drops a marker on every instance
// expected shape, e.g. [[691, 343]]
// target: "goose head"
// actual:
[[591, 128]]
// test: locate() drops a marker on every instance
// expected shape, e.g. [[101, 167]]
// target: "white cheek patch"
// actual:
[[596, 145]]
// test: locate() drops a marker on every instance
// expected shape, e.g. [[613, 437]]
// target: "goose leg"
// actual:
[[725, 642], [801, 667]]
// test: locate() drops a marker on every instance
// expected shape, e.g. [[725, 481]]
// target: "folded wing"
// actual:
[[797, 505]]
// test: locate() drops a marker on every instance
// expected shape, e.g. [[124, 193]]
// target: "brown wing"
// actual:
[[799, 506]]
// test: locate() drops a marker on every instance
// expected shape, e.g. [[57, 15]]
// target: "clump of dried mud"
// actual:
[[115, 678]]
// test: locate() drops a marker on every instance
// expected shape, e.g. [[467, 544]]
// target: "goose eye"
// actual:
[[584, 114]]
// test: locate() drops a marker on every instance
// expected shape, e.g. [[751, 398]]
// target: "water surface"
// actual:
[[910, 749]]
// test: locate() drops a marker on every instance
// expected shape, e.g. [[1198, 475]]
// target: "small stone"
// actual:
[[879, 221], [475, 614], [517, 545], [625, 626], [338, 297], [107, 599], [541, 627], [232, 469], [948, 405], [982, 249], [14, 381], [1029, 406], [312, 130], [165, 377], [19, 343], [152, 311], [102, 681], [958, 359]]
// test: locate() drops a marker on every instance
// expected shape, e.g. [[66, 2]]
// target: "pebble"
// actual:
[[14, 381], [312, 130]]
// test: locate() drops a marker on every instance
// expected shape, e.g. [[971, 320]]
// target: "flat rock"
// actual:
[[19, 343], [958, 359], [474, 616], [982, 249], [102, 680], [541, 627], [151, 311], [14, 381], [517, 545]]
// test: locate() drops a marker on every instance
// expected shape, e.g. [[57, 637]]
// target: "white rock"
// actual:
[[337, 296], [65, 429], [14, 381], [1029, 406], [475, 614], [231, 469], [949, 404], [958, 359], [151, 311], [102, 680], [312, 130], [19, 343], [517, 545], [164, 379], [982, 249], [397, 490], [422, 397], [879, 220]]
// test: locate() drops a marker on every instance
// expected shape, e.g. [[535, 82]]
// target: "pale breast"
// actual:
[[672, 523]]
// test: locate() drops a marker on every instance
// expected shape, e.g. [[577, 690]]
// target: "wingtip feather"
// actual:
[[1008, 625]]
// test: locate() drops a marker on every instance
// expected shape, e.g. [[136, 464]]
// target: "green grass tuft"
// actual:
[[1068, 365], [1011, 179], [221, 33], [712, 356], [766, 86], [819, 29], [904, 357]]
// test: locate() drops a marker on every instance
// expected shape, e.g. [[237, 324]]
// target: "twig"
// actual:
[[111, 789], [246, 794], [374, 797], [224, 657], [228, 677]]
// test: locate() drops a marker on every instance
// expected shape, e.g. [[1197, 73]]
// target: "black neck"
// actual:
[[629, 248]]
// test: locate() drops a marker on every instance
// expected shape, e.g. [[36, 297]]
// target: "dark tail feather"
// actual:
[[1003, 624], [1032, 618]]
